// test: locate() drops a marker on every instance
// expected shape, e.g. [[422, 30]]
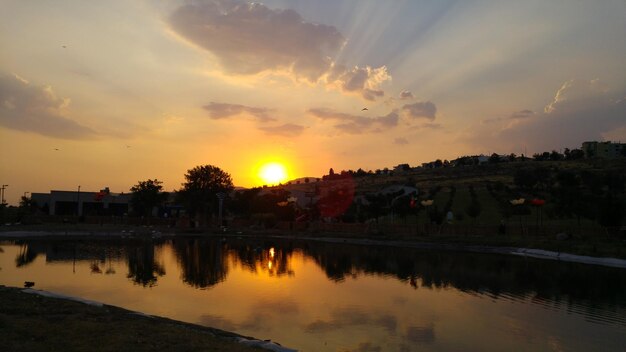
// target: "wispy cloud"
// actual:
[[579, 111], [250, 38], [400, 141], [354, 124], [513, 118], [524, 114], [219, 111], [34, 108], [285, 130], [420, 110]]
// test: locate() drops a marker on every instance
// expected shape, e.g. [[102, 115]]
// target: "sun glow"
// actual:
[[273, 173]]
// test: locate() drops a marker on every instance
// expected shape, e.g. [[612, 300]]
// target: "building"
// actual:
[[607, 150], [83, 203]]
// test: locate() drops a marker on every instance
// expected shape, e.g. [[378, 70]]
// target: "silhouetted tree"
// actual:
[[202, 183], [556, 156], [576, 154], [146, 195], [494, 158], [242, 201]]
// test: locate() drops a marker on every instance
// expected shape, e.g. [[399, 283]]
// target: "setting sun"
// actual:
[[273, 173]]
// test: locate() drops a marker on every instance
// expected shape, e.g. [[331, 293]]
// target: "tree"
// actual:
[[556, 156], [147, 195], [201, 186], [576, 154], [473, 209]]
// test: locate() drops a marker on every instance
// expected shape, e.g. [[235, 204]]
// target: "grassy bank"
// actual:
[[30, 322]]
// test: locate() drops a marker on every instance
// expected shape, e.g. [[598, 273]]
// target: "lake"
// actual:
[[319, 296]]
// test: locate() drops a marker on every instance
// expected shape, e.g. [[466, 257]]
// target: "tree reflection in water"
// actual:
[[142, 266], [205, 262]]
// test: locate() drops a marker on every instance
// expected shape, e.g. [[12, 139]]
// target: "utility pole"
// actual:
[[221, 196], [2, 195], [78, 202]]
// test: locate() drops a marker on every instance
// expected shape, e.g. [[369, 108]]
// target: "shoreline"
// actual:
[[506, 250], [47, 304]]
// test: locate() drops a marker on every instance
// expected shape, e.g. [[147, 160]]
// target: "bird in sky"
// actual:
[[63, 46], [57, 149], [364, 109]]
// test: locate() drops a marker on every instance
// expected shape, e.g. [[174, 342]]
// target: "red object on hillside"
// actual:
[[537, 202]]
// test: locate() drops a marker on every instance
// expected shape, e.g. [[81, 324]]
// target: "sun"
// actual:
[[273, 173]]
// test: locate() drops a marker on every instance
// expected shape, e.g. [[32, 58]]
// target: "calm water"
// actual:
[[337, 297]]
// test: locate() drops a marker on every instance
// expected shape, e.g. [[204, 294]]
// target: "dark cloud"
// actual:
[[406, 95], [249, 38], [32, 108], [420, 110], [286, 130], [354, 124], [219, 111]]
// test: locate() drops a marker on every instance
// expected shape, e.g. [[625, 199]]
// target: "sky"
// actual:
[[109, 93]]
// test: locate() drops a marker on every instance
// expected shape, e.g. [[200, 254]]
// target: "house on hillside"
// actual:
[[608, 150]]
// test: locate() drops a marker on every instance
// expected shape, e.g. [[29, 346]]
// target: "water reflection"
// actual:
[[410, 298], [203, 262], [101, 256], [496, 276], [143, 269], [206, 262]]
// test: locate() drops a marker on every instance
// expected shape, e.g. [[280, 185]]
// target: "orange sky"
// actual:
[[110, 93]]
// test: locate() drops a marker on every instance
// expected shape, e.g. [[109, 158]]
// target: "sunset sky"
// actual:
[[107, 93]]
